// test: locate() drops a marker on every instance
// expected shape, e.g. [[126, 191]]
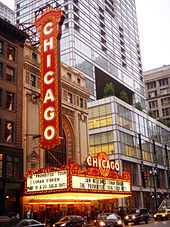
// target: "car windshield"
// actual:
[[111, 217], [107, 217], [66, 218]]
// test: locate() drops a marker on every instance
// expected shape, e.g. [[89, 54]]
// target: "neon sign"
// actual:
[[49, 26], [103, 163]]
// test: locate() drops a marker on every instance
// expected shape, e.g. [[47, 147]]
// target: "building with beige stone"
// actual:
[[74, 116], [157, 86]]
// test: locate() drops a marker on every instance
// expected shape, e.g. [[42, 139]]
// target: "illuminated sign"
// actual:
[[46, 181], [103, 163], [73, 178], [49, 27], [100, 184]]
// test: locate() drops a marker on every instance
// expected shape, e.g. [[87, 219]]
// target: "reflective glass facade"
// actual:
[[97, 33], [6, 13], [138, 141]]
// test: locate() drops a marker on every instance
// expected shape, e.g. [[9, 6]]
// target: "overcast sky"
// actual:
[[154, 31]]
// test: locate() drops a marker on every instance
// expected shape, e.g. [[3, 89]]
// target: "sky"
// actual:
[[154, 31]]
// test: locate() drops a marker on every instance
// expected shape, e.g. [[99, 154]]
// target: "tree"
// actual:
[[109, 90], [138, 106], [124, 96]]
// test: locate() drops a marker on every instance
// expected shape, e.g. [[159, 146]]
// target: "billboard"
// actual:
[[49, 27]]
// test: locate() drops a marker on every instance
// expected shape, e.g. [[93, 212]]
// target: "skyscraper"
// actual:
[[6, 13], [100, 37]]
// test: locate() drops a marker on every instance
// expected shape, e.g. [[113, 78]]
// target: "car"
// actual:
[[30, 223], [70, 220], [137, 216], [108, 220], [163, 214]]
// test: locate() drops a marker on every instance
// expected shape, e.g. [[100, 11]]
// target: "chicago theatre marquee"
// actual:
[[66, 174]]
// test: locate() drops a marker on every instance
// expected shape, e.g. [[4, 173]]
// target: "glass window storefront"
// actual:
[[102, 142]]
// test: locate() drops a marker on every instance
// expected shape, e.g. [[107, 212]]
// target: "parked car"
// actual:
[[70, 221], [108, 220], [30, 223], [162, 214], [137, 216]]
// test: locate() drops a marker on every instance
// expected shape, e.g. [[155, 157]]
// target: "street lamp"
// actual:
[[154, 173]]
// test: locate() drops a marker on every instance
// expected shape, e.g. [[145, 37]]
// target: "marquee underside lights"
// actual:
[[70, 198], [49, 27]]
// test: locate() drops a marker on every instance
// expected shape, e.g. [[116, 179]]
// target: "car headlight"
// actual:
[[64, 224], [53, 225], [133, 217], [163, 215], [119, 222], [154, 215], [126, 217], [101, 223]]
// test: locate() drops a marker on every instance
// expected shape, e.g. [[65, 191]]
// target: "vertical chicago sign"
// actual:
[[49, 26]]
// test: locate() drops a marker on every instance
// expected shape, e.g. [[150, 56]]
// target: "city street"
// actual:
[[155, 224], [152, 224]]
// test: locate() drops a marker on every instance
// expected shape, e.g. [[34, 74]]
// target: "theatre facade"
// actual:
[[59, 173]]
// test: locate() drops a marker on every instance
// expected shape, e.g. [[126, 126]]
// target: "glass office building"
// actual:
[[139, 142], [6, 13], [100, 37]]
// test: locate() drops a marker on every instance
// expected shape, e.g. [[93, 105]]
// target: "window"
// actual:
[[1, 70], [69, 76], [18, 6], [10, 100], [151, 85], [1, 47], [1, 165], [34, 57], [153, 104], [166, 111], [164, 91], [154, 113], [11, 53], [165, 101], [70, 98], [78, 80], [0, 129], [9, 169], [124, 64], [9, 132], [10, 74], [152, 94], [163, 82], [81, 102], [33, 80], [13, 167], [0, 96]]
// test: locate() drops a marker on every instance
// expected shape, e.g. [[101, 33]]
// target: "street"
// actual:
[[152, 224], [155, 224]]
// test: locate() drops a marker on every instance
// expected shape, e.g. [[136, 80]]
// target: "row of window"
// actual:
[[102, 116], [152, 84], [9, 51], [73, 99]]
